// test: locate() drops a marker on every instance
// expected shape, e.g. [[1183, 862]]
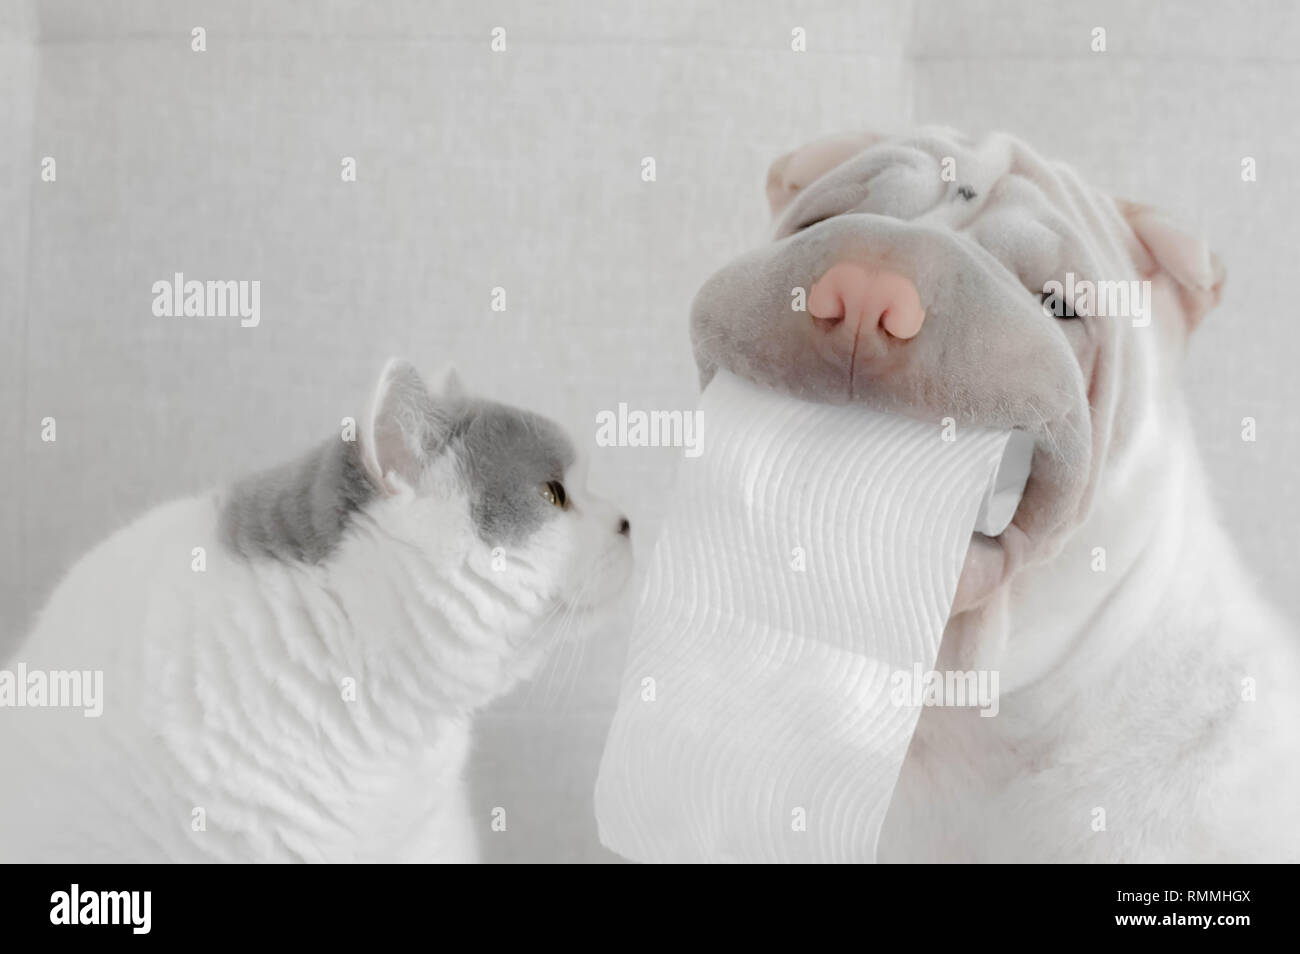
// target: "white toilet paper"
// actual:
[[811, 552]]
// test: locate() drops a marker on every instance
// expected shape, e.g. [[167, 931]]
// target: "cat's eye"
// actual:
[[554, 493]]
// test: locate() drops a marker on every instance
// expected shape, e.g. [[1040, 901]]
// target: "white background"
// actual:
[[522, 169]]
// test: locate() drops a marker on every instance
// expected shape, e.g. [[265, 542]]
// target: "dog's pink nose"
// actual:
[[852, 300]]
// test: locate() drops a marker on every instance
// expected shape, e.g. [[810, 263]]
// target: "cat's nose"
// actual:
[[624, 527]]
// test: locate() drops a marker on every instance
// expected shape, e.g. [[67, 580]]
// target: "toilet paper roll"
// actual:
[[1000, 500], [811, 554]]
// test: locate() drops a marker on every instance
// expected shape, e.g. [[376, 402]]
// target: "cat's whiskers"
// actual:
[[576, 606], [560, 648], [579, 654], [542, 630]]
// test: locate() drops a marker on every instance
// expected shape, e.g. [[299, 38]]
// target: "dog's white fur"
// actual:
[[1150, 710], [1126, 730]]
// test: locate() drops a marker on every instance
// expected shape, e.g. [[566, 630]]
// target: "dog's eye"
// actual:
[[811, 222], [1056, 305], [554, 493]]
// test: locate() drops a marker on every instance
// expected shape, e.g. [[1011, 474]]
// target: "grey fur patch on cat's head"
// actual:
[[300, 511], [506, 455]]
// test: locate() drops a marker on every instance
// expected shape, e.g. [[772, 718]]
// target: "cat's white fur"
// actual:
[[228, 732]]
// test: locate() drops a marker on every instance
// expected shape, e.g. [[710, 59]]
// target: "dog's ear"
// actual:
[[1184, 257], [796, 170]]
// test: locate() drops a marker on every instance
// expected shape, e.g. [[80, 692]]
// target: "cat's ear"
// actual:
[[448, 385], [401, 427]]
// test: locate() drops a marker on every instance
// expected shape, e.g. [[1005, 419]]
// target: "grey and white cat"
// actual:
[[301, 690]]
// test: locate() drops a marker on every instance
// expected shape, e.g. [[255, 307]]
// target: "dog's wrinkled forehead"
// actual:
[[943, 178], [1034, 215], [904, 178]]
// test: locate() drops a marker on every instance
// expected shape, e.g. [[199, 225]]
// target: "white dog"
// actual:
[[1150, 708]]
